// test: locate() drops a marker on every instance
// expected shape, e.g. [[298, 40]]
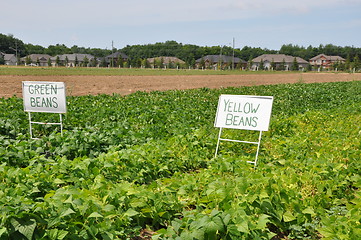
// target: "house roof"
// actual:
[[166, 60], [117, 55], [223, 58], [278, 58], [9, 57], [35, 57], [72, 57], [330, 58]]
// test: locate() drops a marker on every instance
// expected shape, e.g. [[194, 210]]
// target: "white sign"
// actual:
[[44, 97], [244, 112]]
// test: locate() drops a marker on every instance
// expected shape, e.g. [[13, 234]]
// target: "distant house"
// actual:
[[9, 59], [72, 60], [324, 61], [165, 61], [214, 61], [113, 59], [37, 59], [277, 62]]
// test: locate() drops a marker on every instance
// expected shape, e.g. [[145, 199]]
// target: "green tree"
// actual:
[[157, 63], [93, 62], [76, 62], [261, 65], [120, 61], [126, 64], [309, 67], [57, 61], [161, 62], [294, 66], [85, 61], [2, 60], [66, 61], [342, 66], [348, 62], [248, 53], [356, 62], [202, 63], [273, 64], [49, 62], [250, 63], [192, 62], [57, 49], [34, 49], [11, 45], [144, 63], [103, 62], [282, 66], [27, 60], [210, 62]]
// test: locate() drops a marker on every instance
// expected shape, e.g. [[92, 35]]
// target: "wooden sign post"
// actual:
[[243, 112]]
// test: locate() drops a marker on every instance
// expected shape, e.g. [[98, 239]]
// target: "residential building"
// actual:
[[277, 62], [72, 60], [222, 61], [9, 59], [325, 62], [165, 61], [40, 60], [113, 59]]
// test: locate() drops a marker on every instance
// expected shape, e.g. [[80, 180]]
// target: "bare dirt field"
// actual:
[[93, 85]]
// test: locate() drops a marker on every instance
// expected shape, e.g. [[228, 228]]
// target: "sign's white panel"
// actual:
[[44, 97], [244, 112]]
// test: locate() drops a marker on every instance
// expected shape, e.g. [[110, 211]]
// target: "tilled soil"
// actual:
[[93, 85]]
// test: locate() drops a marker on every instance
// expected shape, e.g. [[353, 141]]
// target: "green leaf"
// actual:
[[282, 161], [211, 227], [95, 215], [53, 233], [2, 231], [327, 232], [57, 234], [131, 212], [25, 227], [67, 212], [310, 211], [62, 234], [58, 181], [243, 227], [262, 221], [107, 236], [288, 216], [263, 194]]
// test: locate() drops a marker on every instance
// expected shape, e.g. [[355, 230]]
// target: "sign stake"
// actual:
[[219, 138]]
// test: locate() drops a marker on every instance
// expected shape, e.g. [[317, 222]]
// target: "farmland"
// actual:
[[142, 165], [93, 81]]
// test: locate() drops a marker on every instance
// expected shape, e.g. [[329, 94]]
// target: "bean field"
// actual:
[[142, 166]]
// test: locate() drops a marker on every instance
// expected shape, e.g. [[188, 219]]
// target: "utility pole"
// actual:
[[16, 51], [233, 56], [220, 59], [112, 63]]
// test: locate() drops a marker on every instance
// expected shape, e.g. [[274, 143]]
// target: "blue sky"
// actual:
[[255, 23]]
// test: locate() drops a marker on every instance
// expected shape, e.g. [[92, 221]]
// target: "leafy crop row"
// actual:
[[143, 166]]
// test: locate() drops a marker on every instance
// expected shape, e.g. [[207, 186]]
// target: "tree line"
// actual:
[[186, 52]]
